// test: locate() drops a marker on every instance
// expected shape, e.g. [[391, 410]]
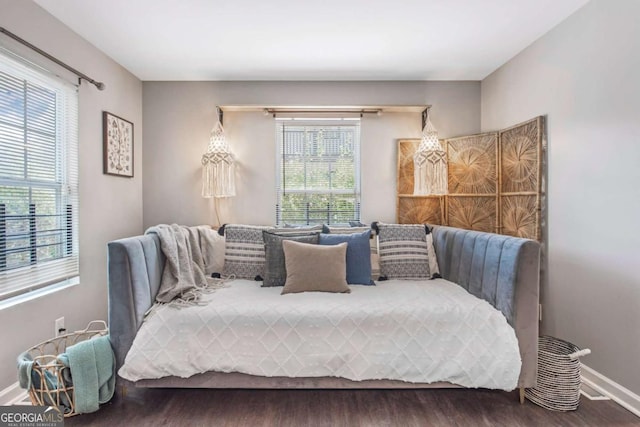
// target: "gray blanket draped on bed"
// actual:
[[184, 274]]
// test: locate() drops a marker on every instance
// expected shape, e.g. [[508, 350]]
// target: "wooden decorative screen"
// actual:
[[495, 183]]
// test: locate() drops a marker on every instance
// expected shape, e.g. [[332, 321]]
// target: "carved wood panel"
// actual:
[[472, 162], [521, 183], [421, 210], [406, 149]]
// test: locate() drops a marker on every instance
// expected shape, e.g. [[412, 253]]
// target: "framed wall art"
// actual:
[[117, 135]]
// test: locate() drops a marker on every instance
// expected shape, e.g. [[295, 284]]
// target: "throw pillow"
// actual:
[[373, 243], [434, 270], [289, 229], [405, 252], [357, 224], [213, 249], [375, 266], [275, 272], [358, 255], [244, 254], [346, 230], [298, 227], [315, 267], [350, 230]]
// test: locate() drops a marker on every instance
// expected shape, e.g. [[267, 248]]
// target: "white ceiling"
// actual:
[[311, 39]]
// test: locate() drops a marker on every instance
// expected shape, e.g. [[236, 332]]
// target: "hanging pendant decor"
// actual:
[[218, 171], [430, 164]]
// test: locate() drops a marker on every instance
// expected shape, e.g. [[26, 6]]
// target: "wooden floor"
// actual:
[[442, 407]]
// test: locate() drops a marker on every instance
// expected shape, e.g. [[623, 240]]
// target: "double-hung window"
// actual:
[[38, 178], [318, 171]]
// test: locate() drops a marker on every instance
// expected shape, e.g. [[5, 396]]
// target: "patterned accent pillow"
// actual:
[[275, 272], [289, 229], [244, 255], [330, 229], [327, 229], [406, 252]]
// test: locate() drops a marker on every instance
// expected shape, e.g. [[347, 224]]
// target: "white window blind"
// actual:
[[38, 178], [318, 171]]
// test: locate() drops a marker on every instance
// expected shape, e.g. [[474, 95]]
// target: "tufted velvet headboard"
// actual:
[[500, 269], [503, 270]]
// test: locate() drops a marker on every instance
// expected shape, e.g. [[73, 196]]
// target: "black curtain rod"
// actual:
[[80, 75], [366, 111]]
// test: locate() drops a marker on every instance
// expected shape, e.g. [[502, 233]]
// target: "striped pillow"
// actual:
[[332, 229], [284, 231], [406, 252], [244, 255]]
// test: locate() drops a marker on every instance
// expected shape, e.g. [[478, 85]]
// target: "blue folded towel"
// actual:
[[92, 366], [25, 365], [29, 377]]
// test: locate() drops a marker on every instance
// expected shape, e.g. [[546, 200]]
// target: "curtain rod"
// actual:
[[80, 75], [275, 111]]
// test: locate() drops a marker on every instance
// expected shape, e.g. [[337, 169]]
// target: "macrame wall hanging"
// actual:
[[430, 164], [218, 172]]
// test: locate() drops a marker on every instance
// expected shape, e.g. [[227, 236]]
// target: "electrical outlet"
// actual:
[[60, 330]]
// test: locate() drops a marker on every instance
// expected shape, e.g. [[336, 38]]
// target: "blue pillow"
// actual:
[[358, 255]]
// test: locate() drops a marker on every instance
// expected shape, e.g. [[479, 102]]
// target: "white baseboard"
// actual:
[[12, 395], [619, 394]]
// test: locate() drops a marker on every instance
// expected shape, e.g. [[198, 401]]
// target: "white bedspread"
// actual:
[[423, 332]]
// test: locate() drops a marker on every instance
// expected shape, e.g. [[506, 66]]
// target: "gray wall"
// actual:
[[110, 207], [583, 75], [178, 117]]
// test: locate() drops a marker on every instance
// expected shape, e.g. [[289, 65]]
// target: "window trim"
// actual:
[[318, 122], [63, 271]]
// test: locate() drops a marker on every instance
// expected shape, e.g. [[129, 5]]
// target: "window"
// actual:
[[318, 171], [38, 178]]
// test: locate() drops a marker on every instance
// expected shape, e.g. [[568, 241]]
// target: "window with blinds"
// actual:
[[38, 178], [318, 171]]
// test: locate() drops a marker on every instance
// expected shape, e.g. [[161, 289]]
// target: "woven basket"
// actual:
[[45, 358], [558, 381]]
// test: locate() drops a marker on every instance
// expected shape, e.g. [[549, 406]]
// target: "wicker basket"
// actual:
[[558, 381], [46, 364]]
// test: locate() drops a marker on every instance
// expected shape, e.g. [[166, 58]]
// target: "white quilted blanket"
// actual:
[[423, 332]]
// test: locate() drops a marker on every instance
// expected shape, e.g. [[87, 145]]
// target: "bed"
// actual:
[[490, 282]]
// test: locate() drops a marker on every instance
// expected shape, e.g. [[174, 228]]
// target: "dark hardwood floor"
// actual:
[[442, 407]]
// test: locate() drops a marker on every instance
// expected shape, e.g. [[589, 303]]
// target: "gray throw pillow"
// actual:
[[315, 268], [275, 272]]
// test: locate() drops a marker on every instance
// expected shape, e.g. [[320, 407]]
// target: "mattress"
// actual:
[[413, 331]]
